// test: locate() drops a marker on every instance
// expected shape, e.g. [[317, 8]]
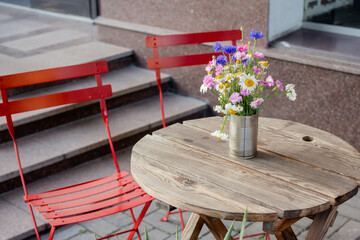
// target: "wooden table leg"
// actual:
[[286, 234], [321, 224], [193, 227], [216, 227]]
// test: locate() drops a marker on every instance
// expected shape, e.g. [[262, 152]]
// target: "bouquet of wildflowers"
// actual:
[[238, 78]]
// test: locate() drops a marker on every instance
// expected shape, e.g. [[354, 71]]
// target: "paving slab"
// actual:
[[45, 39], [15, 223], [351, 230], [123, 81], [4, 17], [81, 53], [100, 227], [22, 26]]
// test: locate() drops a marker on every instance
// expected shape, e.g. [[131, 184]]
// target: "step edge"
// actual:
[[103, 142]]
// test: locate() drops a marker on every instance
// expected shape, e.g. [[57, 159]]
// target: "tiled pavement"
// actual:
[[24, 34], [346, 226]]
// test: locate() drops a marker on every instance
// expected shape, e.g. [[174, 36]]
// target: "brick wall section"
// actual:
[[190, 15]]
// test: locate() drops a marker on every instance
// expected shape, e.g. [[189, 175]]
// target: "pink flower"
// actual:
[[256, 70], [243, 47], [244, 92], [239, 55], [258, 55], [256, 102], [208, 81], [218, 70], [279, 84], [270, 81], [235, 97], [210, 66]]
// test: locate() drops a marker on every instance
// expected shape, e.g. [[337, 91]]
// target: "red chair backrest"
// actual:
[[7, 108], [158, 63]]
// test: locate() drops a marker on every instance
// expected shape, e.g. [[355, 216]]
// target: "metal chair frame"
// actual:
[[84, 201], [156, 63]]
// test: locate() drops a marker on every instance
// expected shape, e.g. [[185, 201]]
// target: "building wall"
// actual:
[[328, 92], [190, 15]]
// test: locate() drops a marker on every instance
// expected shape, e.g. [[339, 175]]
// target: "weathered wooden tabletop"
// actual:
[[299, 171]]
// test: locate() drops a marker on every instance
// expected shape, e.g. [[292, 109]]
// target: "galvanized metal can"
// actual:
[[243, 136]]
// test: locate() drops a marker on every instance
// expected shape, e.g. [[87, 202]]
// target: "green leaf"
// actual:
[[228, 234], [243, 225], [146, 234]]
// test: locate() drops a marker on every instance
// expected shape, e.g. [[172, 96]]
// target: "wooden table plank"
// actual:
[[336, 188], [288, 200], [285, 138], [181, 189]]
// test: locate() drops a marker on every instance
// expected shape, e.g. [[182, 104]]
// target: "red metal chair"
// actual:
[[156, 63], [84, 201]]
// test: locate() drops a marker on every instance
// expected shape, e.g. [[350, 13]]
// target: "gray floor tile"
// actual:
[[44, 40], [22, 26]]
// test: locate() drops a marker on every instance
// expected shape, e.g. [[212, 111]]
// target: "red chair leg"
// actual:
[[134, 221], [164, 219], [52, 232], [34, 221], [138, 221], [181, 220]]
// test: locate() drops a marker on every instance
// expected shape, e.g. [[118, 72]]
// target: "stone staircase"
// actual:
[[54, 139]]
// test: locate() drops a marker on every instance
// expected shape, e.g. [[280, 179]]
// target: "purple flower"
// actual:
[[258, 55], [208, 81], [217, 47], [256, 102], [221, 60], [256, 34], [218, 70], [279, 84], [235, 97], [229, 49], [244, 92]]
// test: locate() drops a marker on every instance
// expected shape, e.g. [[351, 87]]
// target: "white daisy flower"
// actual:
[[203, 88], [233, 109], [248, 82], [263, 64], [219, 109], [229, 77], [221, 87], [290, 89], [219, 135]]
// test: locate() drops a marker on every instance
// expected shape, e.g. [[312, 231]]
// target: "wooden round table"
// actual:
[[299, 171]]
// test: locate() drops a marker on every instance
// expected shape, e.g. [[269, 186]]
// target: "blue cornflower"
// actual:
[[229, 49], [217, 47], [256, 35], [221, 60], [233, 59], [244, 61]]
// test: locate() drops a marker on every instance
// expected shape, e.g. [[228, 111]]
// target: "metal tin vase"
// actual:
[[243, 136]]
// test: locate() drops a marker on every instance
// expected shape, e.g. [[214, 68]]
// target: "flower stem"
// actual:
[[222, 128], [276, 95]]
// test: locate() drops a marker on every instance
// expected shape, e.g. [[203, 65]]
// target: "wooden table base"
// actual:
[[195, 223], [281, 228]]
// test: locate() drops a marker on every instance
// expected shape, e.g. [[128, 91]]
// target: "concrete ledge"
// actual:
[[295, 55]]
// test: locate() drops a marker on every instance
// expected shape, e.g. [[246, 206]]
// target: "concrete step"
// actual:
[[55, 149], [129, 84], [81, 53]]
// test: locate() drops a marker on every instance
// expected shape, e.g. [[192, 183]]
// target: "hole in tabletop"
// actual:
[[308, 139]]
